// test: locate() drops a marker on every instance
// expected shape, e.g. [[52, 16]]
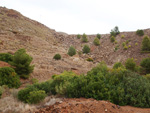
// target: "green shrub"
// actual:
[[146, 44], [123, 44], [6, 57], [147, 76], [98, 36], [129, 46], [116, 42], [136, 43], [140, 32], [89, 59], [78, 36], [1, 91], [34, 80], [145, 65], [122, 36], [57, 57], [114, 32], [112, 39], [130, 64], [21, 62], [125, 47], [84, 38], [127, 41], [8, 77], [35, 97], [116, 47], [71, 51], [96, 42], [118, 65], [86, 49]]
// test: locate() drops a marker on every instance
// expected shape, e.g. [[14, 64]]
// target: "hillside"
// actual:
[[42, 43]]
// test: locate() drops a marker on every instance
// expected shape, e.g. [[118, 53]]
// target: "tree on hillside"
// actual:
[[96, 41], [114, 32], [86, 49], [71, 51], [21, 62], [146, 44], [84, 38], [98, 36]]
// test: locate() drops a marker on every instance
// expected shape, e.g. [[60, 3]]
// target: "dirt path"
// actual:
[[82, 105]]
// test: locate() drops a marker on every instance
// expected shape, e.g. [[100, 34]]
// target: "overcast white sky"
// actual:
[[85, 16]]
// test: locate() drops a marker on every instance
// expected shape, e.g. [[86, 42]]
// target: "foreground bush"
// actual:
[[21, 62], [6, 57], [9, 77], [140, 32], [118, 85], [71, 51], [57, 57]]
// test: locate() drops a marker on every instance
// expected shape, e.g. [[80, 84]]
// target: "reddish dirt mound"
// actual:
[[89, 106], [4, 64]]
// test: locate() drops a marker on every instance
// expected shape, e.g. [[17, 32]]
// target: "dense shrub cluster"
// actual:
[[71, 51], [118, 85], [9, 77], [86, 49], [140, 32], [21, 63], [6, 57], [57, 57]]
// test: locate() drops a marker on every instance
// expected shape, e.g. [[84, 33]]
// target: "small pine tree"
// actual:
[[86, 49], [84, 38], [114, 32], [21, 62], [98, 36], [96, 41], [71, 51], [146, 44]]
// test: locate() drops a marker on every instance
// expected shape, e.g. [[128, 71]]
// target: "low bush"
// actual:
[[129, 46], [140, 32], [123, 44], [84, 38], [6, 57], [86, 49], [122, 36], [136, 43], [96, 42], [125, 47], [71, 51], [35, 97], [118, 65], [146, 44], [57, 57], [78, 36], [9, 77], [89, 59], [112, 39], [145, 65], [130, 64], [98, 36]]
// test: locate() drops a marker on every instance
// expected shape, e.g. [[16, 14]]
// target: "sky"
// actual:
[[85, 16]]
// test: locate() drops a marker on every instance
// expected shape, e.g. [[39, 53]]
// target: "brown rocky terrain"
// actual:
[[42, 43]]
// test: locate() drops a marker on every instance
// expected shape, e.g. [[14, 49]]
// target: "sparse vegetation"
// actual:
[[21, 62], [86, 49], [116, 47], [146, 44], [114, 32], [9, 77], [125, 47], [84, 38], [140, 32], [96, 41], [90, 59], [122, 36], [71, 51], [57, 57], [98, 36]]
